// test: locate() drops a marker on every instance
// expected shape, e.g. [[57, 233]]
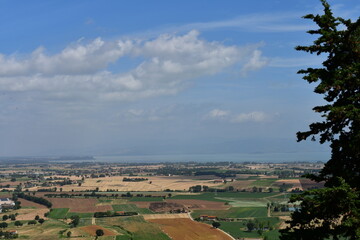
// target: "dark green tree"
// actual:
[[216, 224], [334, 211], [99, 232], [250, 226], [3, 225], [18, 223]]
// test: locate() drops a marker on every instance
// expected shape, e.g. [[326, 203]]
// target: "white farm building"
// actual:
[[6, 203]]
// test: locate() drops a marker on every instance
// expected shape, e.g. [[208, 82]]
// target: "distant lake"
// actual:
[[240, 157]]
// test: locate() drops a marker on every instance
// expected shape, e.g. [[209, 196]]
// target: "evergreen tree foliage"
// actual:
[[334, 211]]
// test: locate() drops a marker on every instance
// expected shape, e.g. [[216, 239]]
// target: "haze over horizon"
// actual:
[[179, 77]]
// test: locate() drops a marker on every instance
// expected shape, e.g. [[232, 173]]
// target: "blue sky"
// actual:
[[157, 77]]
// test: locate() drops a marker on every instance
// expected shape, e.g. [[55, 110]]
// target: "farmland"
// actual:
[[171, 201], [234, 212], [185, 229]]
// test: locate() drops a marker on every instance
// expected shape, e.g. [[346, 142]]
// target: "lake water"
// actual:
[[255, 157]]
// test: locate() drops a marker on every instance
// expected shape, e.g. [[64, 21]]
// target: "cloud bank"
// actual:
[[254, 116], [165, 66]]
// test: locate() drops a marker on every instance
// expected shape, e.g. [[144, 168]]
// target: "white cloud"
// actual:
[[73, 60], [255, 116], [256, 62], [250, 117], [169, 62], [218, 113], [272, 22]]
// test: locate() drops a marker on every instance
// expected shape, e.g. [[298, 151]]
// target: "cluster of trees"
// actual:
[[38, 200], [46, 189], [259, 226], [75, 220], [113, 214], [204, 188], [8, 235], [134, 179], [12, 217], [226, 174], [3, 225]]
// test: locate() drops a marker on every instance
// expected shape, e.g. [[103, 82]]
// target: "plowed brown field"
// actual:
[[186, 229], [26, 203], [92, 230], [308, 184]]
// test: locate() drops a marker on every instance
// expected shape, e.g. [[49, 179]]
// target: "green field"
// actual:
[[226, 196], [58, 213], [134, 227], [81, 215], [235, 212], [84, 222], [264, 182], [131, 208], [239, 229], [146, 199]]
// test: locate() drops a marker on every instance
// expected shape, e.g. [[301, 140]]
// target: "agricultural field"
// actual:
[[186, 229], [165, 203], [91, 229], [58, 213], [228, 196], [131, 208], [79, 204], [48, 230], [154, 183], [234, 212], [133, 228]]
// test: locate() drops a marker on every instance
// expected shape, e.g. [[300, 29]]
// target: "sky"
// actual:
[[157, 77]]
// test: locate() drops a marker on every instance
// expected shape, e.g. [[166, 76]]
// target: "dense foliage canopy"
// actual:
[[333, 212]]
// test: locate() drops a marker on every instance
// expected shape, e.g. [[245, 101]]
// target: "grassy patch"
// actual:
[[221, 196], [272, 235], [133, 228], [81, 215], [123, 237], [101, 200], [48, 230], [131, 208], [85, 222], [235, 212], [264, 182], [239, 229], [146, 199], [58, 213], [203, 196]]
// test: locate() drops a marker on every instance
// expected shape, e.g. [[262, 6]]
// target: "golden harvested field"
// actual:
[[48, 230], [30, 213], [186, 229], [158, 183], [79, 204], [165, 216]]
